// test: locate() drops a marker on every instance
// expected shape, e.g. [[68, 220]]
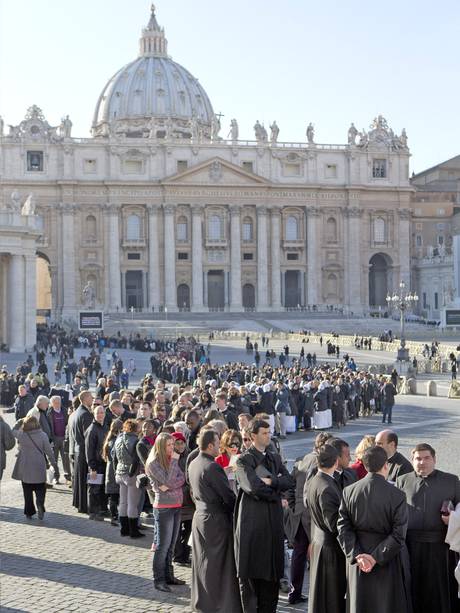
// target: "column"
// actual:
[[69, 303], [262, 259], [30, 301], [16, 282], [113, 260], [456, 255], [313, 256], [354, 258], [154, 258], [404, 245], [275, 259], [197, 259], [205, 288], [236, 303], [170, 259]]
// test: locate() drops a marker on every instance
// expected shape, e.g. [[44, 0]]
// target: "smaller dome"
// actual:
[[153, 95]]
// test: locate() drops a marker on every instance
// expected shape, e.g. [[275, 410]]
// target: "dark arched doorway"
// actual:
[[216, 290], [292, 291], [249, 296], [183, 297], [379, 267]]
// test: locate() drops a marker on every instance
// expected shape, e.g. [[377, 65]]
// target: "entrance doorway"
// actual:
[[216, 289], [134, 289], [183, 297], [44, 296], [292, 291], [380, 265], [249, 296]]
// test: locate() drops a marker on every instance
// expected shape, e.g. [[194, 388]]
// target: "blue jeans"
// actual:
[[387, 411], [167, 529]]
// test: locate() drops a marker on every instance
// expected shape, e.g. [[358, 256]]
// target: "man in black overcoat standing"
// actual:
[[328, 581], [398, 464], [258, 521], [79, 423], [372, 529]]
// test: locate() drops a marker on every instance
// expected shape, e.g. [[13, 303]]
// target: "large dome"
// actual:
[[153, 96]]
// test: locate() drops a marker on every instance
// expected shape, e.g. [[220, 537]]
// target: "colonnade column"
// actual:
[[30, 301], [456, 254], [170, 259], [404, 245], [354, 215], [113, 256], [262, 259], [16, 282], [154, 257], [69, 303], [235, 259], [313, 256], [197, 259], [275, 259]]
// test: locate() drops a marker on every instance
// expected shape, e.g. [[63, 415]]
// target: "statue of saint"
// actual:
[[215, 128], [152, 128], [310, 134], [28, 208], [89, 296], [258, 131], [352, 134], [194, 128], [15, 200], [274, 132], [403, 138], [234, 131], [65, 127]]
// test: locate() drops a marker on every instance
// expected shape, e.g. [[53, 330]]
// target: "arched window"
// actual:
[[247, 230], [182, 229], [91, 228], [379, 230], [292, 228], [215, 227], [332, 284], [133, 228], [331, 230]]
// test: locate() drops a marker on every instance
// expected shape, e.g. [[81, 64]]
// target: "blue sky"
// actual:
[[294, 61]]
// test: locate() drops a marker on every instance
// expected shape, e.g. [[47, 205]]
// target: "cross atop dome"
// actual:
[[153, 42]]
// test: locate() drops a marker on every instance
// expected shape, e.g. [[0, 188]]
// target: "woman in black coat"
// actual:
[[94, 440]]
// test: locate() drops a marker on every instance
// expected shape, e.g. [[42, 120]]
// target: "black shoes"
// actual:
[[40, 512], [133, 528], [124, 526], [175, 581], [297, 599], [161, 586]]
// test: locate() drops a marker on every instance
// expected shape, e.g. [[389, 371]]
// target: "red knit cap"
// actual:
[[178, 436]]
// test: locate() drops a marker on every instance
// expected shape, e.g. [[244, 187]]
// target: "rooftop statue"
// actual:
[[274, 132], [310, 134]]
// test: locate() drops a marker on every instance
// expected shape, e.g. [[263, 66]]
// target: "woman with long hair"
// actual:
[[367, 441], [167, 480], [112, 489]]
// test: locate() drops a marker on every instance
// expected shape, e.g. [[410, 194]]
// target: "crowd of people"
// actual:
[[196, 447]]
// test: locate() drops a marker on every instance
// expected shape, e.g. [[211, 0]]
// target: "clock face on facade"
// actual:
[[34, 129]]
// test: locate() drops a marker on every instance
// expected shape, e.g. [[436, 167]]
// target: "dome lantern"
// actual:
[[153, 42]]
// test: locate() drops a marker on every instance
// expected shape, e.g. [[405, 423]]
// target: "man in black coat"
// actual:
[[214, 583], [399, 465], [79, 423], [259, 529], [343, 475], [327, 562], [225, 409], [434, 589], [372, 528], [94, 441], [23, 403]]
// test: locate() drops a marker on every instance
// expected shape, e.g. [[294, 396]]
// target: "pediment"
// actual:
[[216, 172]]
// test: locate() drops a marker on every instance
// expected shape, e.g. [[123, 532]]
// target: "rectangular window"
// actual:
[[379, 169], [436, 300], [424, 299], [291, 170], [418, 240], [182, 256], [134, 256], [182, 165], [89, 166], [35, 161], [248, 166], [182, 231], [247, 231], [330, 171], [440, 239], [248, 256], [292, 256], [133, 167]]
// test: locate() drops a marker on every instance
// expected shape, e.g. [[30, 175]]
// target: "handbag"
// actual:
[[40, 450], [142, 481]]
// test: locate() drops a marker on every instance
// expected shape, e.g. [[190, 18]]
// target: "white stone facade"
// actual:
[[158, 211]]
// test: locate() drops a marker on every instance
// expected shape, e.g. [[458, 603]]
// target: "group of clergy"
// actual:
[[376, 544]]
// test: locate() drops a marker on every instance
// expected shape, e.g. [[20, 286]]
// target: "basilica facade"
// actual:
[[159, 210]]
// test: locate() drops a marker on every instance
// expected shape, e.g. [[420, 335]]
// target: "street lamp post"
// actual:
[[402, 301]]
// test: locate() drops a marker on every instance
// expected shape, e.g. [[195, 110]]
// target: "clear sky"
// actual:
[[329, 62]]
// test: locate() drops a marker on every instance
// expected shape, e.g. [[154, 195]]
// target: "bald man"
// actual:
[[398, 464]]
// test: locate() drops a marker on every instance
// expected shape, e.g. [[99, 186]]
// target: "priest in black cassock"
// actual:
[[78, 424], [399, 465], [434, 588], [372, 527], [214, 584], [259, 527], [327, 562]]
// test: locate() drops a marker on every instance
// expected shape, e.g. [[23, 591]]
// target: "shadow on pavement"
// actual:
[[85, 577]]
